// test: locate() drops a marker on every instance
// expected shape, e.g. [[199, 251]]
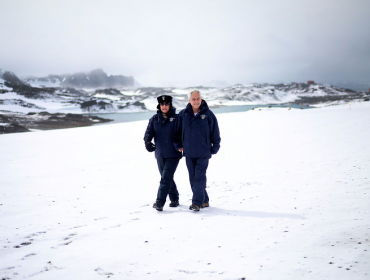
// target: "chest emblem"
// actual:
[[171, 119], [203, 116]]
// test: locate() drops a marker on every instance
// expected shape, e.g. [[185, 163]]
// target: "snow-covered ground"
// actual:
[[2, 86], [36, 105], [289, 195]]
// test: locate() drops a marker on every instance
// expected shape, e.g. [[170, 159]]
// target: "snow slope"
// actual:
[[3, 86], [289, 196]]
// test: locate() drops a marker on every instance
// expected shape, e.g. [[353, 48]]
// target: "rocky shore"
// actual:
[[18, 122]]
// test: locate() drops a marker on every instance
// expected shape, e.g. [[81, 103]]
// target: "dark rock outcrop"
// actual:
[[94, 105], [109, 91], [12, 81], [11, 123], [12, 128], [96, 79], [11, 78]]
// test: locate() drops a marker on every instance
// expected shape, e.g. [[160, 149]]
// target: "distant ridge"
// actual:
[[94, 79], [114, 94]]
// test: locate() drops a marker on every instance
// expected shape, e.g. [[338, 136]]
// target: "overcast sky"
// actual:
[[189, 42]]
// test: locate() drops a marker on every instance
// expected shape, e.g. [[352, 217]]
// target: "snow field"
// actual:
[[289, 197]]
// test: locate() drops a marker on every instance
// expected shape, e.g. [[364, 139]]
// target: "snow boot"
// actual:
[[204, 205], [194, 207], [174, 203], [158, 206]]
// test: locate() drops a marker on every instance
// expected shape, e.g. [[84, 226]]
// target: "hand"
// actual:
[[181, 149], [150, 146]]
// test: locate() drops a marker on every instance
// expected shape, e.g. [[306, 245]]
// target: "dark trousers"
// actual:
[[167, 186], [197, 168]]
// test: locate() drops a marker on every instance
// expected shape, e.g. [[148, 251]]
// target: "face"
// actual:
[[165, 107], [195, 100]]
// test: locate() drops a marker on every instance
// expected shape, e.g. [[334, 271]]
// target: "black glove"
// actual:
[[149, 146]]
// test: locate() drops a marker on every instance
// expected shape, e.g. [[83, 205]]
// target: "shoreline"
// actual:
[[17, 122]]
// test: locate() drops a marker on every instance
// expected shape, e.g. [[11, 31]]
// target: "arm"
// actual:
[[176, 134], [215, 135], [148, 136]]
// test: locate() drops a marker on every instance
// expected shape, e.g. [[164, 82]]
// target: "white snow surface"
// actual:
[[289, 199], [151, 103], [50, 105], [3, 86], [107, 96]]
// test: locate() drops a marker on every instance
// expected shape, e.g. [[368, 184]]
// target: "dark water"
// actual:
[[130, 117]]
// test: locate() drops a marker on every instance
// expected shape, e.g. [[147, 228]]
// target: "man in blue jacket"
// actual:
[[161, 127], [200, 137]]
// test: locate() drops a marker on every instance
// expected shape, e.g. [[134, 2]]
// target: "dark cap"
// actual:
[[164, 98]]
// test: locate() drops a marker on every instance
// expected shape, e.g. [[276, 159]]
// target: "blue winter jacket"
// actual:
[[200, 135], [162, 129]]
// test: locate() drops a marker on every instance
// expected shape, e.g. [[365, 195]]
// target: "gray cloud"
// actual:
[[174, 42]]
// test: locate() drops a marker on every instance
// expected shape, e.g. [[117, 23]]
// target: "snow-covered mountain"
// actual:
[[51, 95], [94, 79]]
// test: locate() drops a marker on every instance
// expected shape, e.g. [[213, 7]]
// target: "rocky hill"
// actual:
[[94, 79], [56, 96]]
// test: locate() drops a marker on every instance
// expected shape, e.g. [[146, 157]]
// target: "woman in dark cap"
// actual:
[[161, 127]]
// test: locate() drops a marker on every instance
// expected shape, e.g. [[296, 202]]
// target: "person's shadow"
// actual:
[[214, 211]]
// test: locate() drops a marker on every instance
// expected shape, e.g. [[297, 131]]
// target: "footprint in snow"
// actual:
[[23, 244], [68, 239], [28, 255], [103, 273], [35, 234]]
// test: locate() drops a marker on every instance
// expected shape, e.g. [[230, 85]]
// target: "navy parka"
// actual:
[[162, 130], [200, 134]]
